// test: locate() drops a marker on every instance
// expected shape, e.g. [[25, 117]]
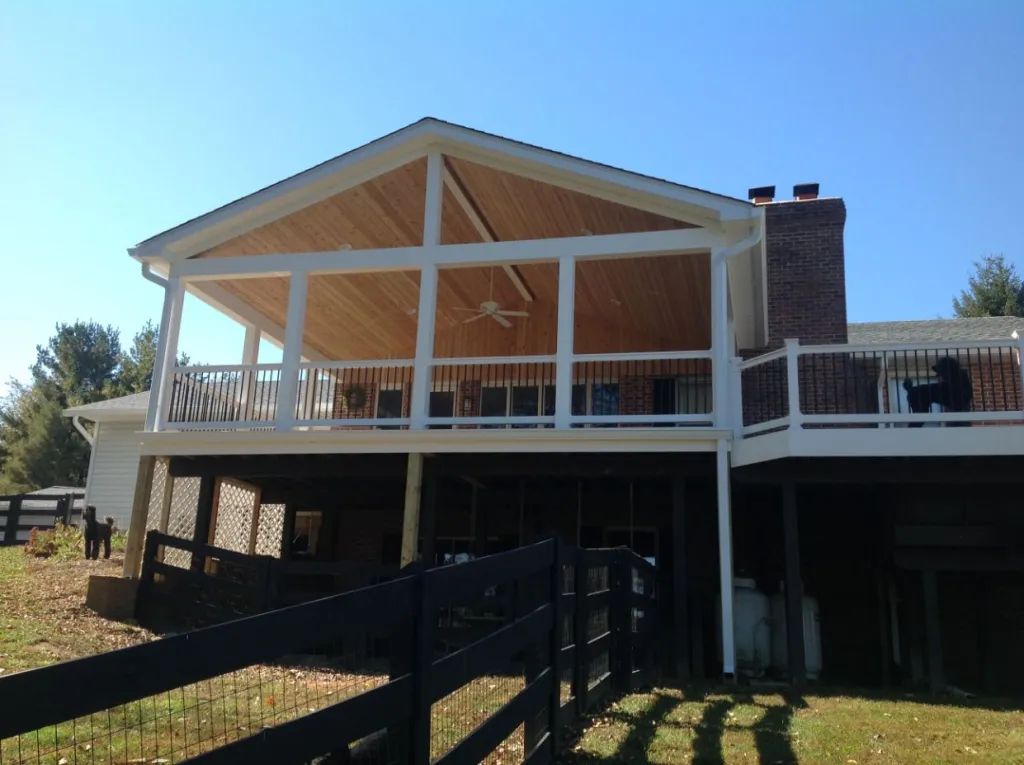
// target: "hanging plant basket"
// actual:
[[354, 396]]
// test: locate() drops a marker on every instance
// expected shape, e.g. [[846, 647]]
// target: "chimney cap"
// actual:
[[761, 194], [805, 190]]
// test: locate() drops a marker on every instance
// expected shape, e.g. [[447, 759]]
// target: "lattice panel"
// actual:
[[182, 520], [156, 495], [235, 505], [270, 530]]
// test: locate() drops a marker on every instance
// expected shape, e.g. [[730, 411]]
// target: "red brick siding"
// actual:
[[806, 271]]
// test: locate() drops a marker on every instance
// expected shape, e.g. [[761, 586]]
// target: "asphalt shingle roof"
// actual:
[[134, 402], [936, 330]]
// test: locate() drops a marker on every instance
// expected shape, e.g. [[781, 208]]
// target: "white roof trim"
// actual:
[[412, 142], [131, 408]]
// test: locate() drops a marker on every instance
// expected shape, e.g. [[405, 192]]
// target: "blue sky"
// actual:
[[119, 120]]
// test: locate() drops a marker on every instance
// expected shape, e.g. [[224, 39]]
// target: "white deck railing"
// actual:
[[606, 390], [880, 386]]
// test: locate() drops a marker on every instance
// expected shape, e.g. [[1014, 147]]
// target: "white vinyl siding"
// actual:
[[113, 468]]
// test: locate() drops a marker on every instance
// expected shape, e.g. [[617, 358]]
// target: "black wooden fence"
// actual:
[[375, 673], [20, 513], [184, 582]]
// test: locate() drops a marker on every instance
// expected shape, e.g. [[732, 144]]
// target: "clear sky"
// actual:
[[119, 120]]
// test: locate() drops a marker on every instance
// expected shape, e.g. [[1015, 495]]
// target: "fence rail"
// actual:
[[365, 669], [20, 513]]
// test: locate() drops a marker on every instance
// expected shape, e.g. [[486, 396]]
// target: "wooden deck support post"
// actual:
[[680, 594], [933, 631], [795, 650], [411, 513], [204, 518], [137, 523], [428, 518]]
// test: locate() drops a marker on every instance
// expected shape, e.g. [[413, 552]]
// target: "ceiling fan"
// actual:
[[491, 308]]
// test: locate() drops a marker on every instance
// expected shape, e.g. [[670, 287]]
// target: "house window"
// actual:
[[493, 402], [306, 533], [693, 394], [389, 404], [604, 398], [442, 404]]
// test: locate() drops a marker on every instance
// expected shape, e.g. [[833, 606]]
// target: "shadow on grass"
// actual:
[[707, 744], [643, 729]]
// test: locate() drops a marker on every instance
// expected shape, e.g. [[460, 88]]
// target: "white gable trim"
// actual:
[[413, 142]]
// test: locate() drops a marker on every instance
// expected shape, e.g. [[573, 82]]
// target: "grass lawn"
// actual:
[[710, 725], [43, 618]]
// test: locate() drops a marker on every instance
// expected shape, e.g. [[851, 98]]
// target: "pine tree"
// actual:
[[995, 289]]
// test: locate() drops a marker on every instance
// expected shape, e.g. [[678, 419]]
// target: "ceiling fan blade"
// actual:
[[471, 319], [471, 310], [500, 319], [513, 313]]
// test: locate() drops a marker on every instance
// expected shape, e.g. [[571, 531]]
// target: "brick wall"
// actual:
[[806, 277]]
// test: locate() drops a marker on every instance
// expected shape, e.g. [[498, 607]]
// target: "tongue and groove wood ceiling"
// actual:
[[656, 303]]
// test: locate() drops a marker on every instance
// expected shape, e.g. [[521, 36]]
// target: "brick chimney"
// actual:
[[806, 268]]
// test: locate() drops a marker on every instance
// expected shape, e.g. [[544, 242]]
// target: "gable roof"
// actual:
[[410, 142], [936, 330], [124, 408]]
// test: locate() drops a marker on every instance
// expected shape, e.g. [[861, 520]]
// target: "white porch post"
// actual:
[[250, 355], [288, 385], [251, 344], [564, 343], [166, 354], [725, 557], [721, 351], [421, 376], [793, 381]]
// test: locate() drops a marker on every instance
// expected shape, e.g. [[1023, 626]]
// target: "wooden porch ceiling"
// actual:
[[642, 304], [638, 304]]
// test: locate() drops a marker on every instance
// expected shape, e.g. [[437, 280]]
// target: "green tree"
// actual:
[[995, 289], [83, 362], [136, 373]]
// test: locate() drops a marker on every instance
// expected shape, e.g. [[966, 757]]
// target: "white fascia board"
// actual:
[[107, 415], [431, 441]]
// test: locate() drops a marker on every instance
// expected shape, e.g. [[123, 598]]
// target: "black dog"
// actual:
[[96, 533], [953, 391]]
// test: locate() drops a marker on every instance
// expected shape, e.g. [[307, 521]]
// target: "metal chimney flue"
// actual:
[[802, 191]]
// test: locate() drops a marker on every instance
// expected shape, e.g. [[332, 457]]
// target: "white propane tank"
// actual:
[[752, 614], [812, 634]]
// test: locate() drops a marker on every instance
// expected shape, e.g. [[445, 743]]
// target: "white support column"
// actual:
[[793, 381], [721, 350], [288, 385], [725, 558], [166, 354], [250, 355], [422, 367], [564, 343], [251, 344]]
